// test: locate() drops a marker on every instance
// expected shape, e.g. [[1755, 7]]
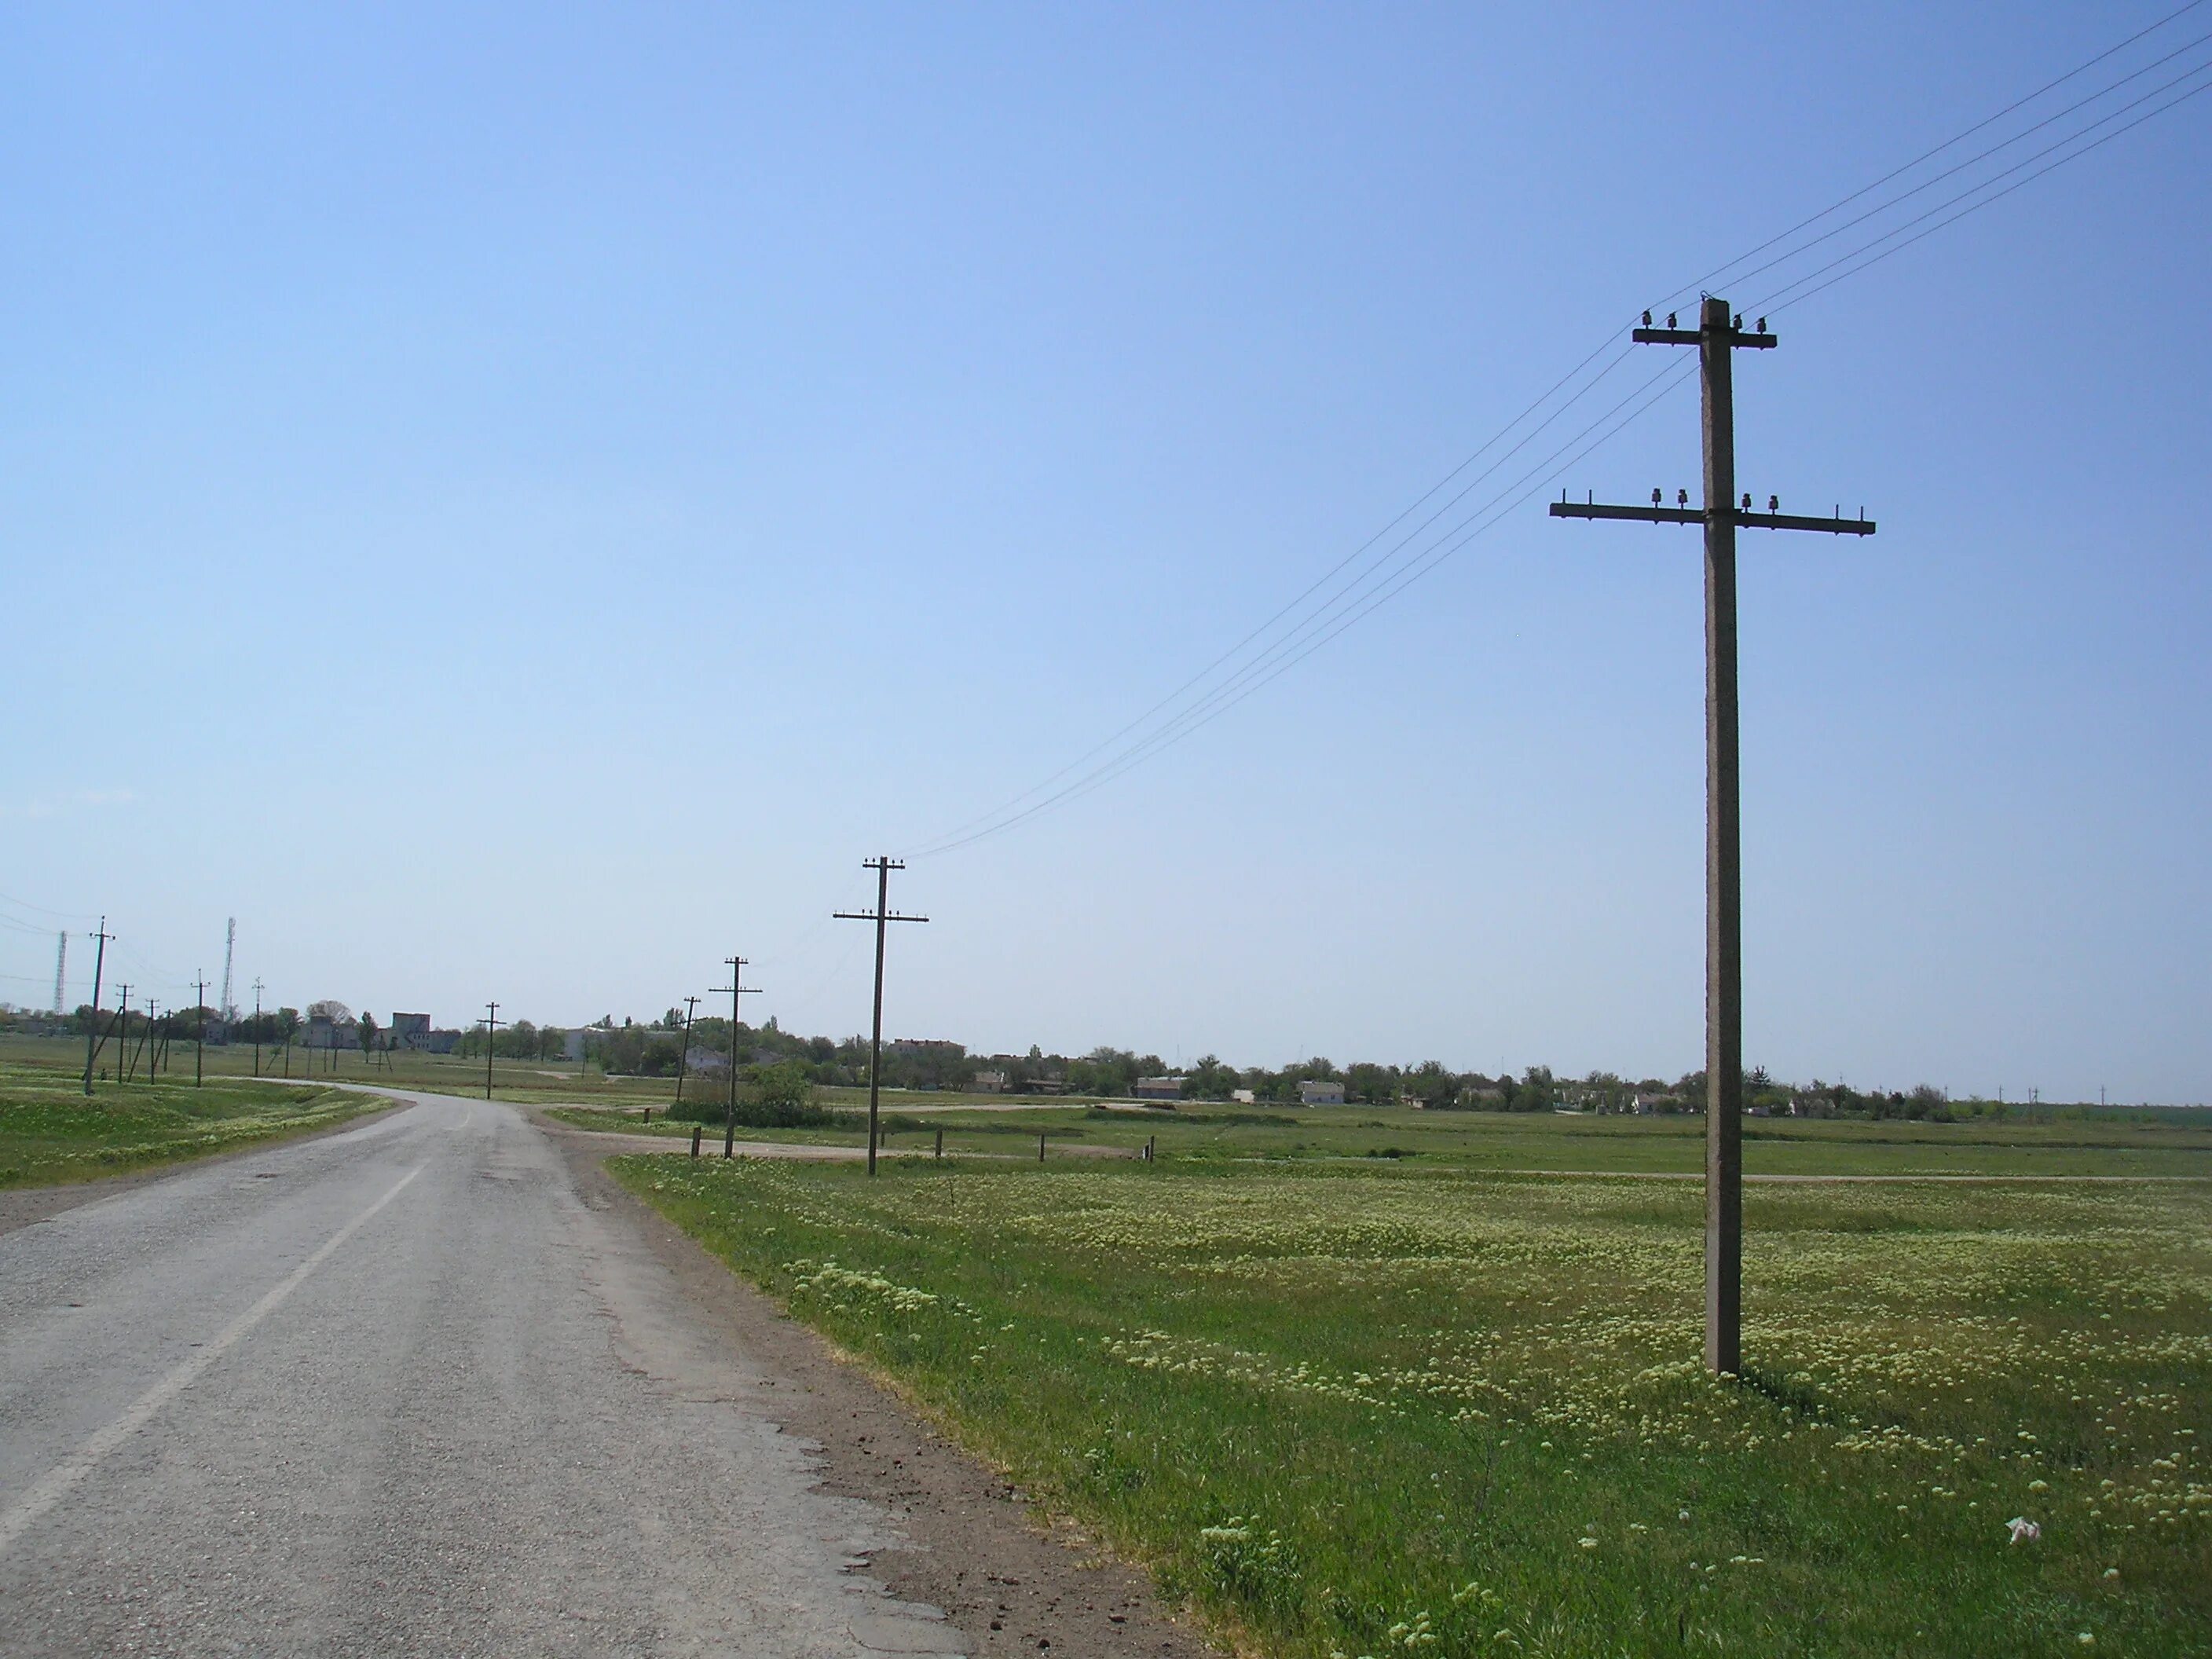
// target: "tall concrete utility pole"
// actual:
[[880, 915], [1718, 336], [492, 1022], [736, 988], [92, 1032], [61, 974]]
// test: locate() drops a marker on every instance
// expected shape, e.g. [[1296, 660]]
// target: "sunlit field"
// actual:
[[51, 1131], [1360, 1408], [2111, 1144]]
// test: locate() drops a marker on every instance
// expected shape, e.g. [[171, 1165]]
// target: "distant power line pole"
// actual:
[[92, 1030], [200, 1037], [736, 988], [683, 1046], [61, 974], [880, 915], [122, 1029], [144, 1043], [492, 1022], [1718, 336], [256, 1025]]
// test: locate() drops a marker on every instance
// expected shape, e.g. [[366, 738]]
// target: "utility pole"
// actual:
[[92, 1032], [684, 1045], [256, 1025], [1718, 338], [200, 1037], [144, 1042], [492, 1022], [736, 988], [122, 1029], [880, 915]]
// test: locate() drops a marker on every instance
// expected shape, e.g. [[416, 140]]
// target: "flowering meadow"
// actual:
[[1358, 1411]]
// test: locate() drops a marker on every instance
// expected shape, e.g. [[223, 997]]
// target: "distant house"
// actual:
[[989, 1083], [1243, 1097], [700, 1058], [572, 1046], [323, 1032], [405, 1029], [1314, 1092], [1158, 1088]]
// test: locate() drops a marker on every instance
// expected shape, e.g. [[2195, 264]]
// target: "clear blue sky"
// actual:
[[519, 501]]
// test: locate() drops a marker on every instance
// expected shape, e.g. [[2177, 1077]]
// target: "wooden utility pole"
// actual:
[[256, 1025], [736, 988], [122, 1031], [1718, 338], [683, 1046], [92, 1032], [880, 915], [492, 1022]]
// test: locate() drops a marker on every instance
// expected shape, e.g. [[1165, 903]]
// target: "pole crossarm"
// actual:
[[1834, 526], [870, 915], [1747, 339]]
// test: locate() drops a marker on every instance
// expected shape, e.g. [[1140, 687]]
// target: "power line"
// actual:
[[1959, 137], [1347, 604]]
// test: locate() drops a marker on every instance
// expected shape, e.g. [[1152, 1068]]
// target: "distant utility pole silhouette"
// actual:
[[1718, 336], [492, 1022], [92, 1030], [122, 1029], [145, 1043], [683, 1046], [256, 1025], [880, 915], [736, 988], [200, 1037]]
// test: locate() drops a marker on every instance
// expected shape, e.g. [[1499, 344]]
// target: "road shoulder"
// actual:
[[1013, 1578]]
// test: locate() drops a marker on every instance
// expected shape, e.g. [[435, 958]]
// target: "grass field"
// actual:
[[2177, 1145], [50, 1133], [1360, 1407]]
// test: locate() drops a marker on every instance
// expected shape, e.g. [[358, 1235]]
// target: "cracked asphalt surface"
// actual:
[[400, 1389]]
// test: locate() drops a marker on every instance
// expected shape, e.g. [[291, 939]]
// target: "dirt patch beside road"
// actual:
[[1014, 1578]]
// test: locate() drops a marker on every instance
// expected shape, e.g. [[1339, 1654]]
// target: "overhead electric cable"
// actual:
[[1389, 573], [1930, 154]]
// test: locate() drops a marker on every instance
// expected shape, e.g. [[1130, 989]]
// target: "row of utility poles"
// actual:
[[96, 1039], [883, 915]]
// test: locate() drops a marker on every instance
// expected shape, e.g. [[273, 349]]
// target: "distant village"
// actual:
[[659, 1047]]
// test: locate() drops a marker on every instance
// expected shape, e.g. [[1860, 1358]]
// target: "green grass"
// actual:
[[1396, 1407], [2113, 1145], [50, 1133]]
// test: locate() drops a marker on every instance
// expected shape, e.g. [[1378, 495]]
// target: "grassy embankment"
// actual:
[[51, 1131], [1394, 1406]]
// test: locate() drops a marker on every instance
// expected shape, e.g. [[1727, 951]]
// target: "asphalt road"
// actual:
[[399, 1391]]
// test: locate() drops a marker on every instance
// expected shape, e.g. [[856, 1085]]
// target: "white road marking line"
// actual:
[[24, 1513], [468, 1116]]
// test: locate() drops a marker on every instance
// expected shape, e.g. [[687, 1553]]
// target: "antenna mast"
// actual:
[[61, 974], [230, 1009]]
